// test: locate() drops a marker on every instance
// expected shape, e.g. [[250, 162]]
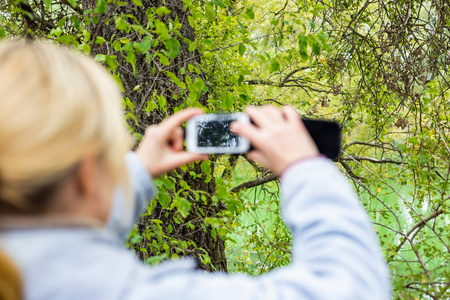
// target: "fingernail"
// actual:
[[234, 126]]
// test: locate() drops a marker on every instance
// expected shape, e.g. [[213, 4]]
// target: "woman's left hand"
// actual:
[[161, 148]]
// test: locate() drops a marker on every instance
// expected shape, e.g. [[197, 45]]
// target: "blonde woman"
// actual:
[[70, 192]]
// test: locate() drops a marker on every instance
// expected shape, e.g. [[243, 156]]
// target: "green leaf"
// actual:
[[162, 10], [175, 79], [136, 239], [143, 46], [66, 39], [195, 89], [192, 46], [61, 22], [191, 21], [47, 3], [227, 101], [163, 59], [242, 49], [206, 167], [130, 115], [250, 13], [162, 101], [162, 30], [99, 40], [210, 13], [183, 206], [275, 22], [208, 55], [121, 24], [111, 60], [138, 2], [153, 260], [212, 221], [274, 66], [164, 200], [2, 33], [131, 58], [101, 7], [219, 3], [86, 48], [86, 35], [173, 47], [316, 49], [304, 56], [244, 99], [76, 22], [233, 79], [319, 6], [302, 43], [56, 32]]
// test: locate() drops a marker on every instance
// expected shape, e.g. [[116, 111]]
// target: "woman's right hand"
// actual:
[[279, 137]]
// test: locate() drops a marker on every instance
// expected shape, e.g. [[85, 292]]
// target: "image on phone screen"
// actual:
[[216, 134], [210, 133]]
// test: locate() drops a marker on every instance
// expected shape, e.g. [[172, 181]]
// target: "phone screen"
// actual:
[[216, 134]]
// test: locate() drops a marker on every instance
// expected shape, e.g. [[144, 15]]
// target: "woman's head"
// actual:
[[56, 108]]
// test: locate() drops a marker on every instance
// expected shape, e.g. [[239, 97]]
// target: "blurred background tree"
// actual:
[[377, 67]]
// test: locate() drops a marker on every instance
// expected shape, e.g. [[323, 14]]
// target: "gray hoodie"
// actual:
[[335, 252]]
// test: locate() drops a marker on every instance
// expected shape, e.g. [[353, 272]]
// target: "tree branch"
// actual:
[[419, 225], [371, 159], [254, 182]]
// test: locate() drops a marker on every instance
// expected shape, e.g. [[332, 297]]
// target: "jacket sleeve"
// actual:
[[125, 209], [335, 251]]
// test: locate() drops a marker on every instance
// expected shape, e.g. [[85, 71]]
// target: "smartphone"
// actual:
[[210, 133]]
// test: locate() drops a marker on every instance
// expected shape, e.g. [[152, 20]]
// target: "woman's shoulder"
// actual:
[[71, 263]]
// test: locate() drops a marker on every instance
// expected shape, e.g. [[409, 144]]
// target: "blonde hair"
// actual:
[[56, 106], [11, 286]]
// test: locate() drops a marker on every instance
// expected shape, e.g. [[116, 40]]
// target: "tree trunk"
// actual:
[[153, 84]]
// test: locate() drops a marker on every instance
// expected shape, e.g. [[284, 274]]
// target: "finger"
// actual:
[[252, 112], [177, 140], [257, 156], [249, 131], [175, 120], [273, 114], [264, 116], [292, 116]]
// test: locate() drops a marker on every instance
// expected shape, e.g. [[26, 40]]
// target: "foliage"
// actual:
[[378, 67]]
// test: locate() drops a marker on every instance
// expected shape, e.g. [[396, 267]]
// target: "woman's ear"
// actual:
[[87, 177]]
